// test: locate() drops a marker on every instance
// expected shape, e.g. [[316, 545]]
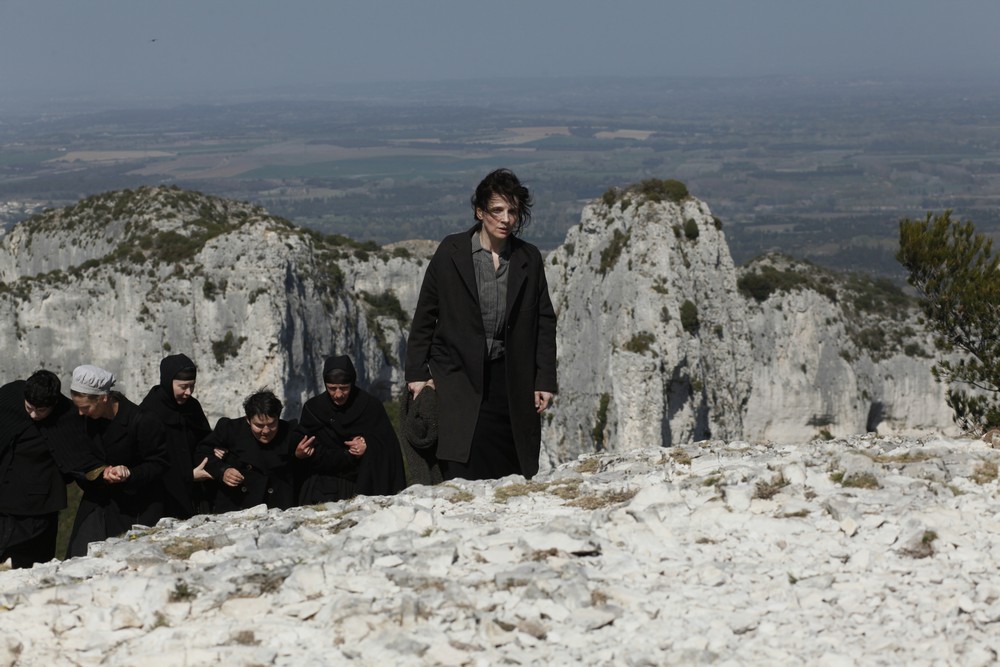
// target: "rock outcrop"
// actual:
[[853, 551], [662, 340]]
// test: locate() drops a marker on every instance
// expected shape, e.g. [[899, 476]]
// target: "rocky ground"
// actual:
[[861, 551]]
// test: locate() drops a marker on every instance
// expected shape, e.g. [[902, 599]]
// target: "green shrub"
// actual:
[[691, 229], [689, 317], [640, 343], [385, 304], [228, 347], [656, 190], [610, 255]]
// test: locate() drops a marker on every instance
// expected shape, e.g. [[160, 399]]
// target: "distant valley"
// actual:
[[818, 170]]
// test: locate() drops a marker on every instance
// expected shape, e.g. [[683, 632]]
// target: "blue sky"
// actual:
[[50, 48]]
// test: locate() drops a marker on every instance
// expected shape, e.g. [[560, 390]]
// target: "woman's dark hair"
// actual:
[[262, 404], [505, 184], [42, 389]]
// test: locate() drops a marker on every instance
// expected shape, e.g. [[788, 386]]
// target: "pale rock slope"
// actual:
[[854, 551]]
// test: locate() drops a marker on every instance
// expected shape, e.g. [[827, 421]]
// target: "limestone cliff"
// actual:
[[124, 278], [663, 340]]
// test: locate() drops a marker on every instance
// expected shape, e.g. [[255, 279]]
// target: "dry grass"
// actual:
[[598, 501], [590, 465], [985, 472], [182, 548], [767, 490]]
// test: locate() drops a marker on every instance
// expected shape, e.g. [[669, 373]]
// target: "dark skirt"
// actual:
[[27, 540], [493, 454]]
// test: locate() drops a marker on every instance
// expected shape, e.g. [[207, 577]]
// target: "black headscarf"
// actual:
[[339, 370], [171, 367]]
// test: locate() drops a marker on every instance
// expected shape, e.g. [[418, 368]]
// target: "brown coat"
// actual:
[[447, 343]]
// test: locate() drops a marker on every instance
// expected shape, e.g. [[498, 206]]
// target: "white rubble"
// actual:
[[715, 553]]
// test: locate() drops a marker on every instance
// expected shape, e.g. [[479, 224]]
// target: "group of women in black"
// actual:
[[139, 463]]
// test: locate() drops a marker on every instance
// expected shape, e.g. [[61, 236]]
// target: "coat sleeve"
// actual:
[[545, 348], [425, 318], [217, 439], [151, 449]]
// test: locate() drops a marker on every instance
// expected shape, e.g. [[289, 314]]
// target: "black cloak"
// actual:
[[267, 469], [184, 427], [332, 473], [36, 461], [135, 439]]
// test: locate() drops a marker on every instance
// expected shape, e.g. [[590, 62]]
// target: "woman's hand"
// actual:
[[357, 445], [542, 400], [116, 474], [305, 448], [416, 387], [232, 477], [200, 474]]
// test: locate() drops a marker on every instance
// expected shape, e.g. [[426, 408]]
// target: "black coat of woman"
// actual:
[[266, 469], [185, 425], [332, 473], [133, 439], [447, 344]]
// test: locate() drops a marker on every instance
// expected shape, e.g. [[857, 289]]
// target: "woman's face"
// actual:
[[91, 407], [338, 393], [499, 219], [263, 428], [183, 390]]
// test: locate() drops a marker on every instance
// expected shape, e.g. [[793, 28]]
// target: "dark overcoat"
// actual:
[[266, 469], [447, 342], [134, 439]]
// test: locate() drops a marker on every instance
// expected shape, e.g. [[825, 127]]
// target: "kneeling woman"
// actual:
[[356, 450], [131, 443], [250, 458]]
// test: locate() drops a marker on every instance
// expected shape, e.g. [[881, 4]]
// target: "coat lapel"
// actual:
[[461, 255]]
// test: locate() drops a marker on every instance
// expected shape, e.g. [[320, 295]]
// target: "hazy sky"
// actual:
[[49, 48]]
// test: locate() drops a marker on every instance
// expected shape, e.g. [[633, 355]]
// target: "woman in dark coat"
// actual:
[[131, 444], [42, 446], [185, 425], [356, 450], [251, 457], [484, 336]]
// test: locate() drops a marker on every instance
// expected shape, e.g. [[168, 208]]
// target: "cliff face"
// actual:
[[662, 340], [120, 280]]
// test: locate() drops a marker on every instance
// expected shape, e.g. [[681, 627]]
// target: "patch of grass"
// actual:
[[505, 493], [228, 347], [680, 457], [182, 548], [598, 501], [590, 465], [908, 457], [863, 481], [459, 495], [985, 472], [182, 592], [610, 255], [767, 490]]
